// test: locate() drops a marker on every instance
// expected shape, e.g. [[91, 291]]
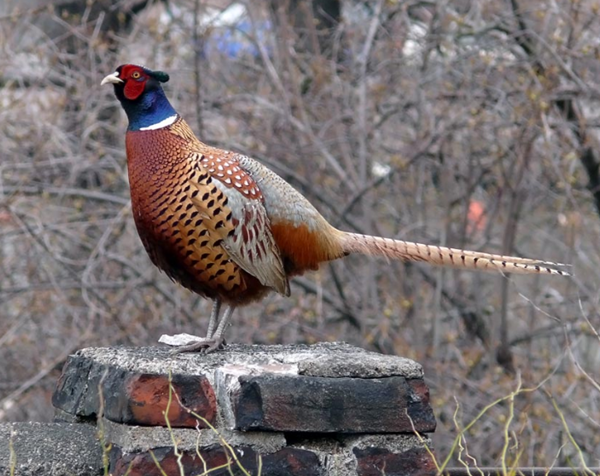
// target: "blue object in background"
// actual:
[[239, 40]]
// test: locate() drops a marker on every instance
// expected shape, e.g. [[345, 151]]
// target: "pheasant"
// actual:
[[228, 228]]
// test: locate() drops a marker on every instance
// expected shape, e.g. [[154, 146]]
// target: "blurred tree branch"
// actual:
[[588, 148]]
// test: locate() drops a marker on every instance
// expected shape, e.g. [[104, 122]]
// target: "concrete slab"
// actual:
[[43, 449]]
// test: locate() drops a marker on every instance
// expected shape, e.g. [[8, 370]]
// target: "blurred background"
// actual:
[[466, 123]]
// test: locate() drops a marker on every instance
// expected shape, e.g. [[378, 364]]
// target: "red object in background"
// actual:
[[476, 219]]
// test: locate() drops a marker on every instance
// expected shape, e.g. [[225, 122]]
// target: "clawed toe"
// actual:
[[190, 343], [204, 346]]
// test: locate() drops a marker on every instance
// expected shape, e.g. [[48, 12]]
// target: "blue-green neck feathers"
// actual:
[[151, 108]]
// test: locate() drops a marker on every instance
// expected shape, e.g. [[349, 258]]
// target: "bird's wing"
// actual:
[[246, 230]]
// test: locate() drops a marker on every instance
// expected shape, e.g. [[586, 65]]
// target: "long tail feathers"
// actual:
[[442, 256]]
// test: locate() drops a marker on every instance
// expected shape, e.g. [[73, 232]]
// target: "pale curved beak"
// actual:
[[112, 78]]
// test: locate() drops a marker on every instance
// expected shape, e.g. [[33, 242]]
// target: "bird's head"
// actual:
[[140, 92]]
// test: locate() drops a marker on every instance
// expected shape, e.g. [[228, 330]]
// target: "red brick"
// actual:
[[131, 397], [147, 396], [378, 461], [288, 461]]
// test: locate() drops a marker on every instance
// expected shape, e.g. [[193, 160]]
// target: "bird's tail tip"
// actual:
[[544, 267]]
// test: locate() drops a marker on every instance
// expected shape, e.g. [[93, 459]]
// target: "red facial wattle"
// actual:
[[135, 81], [134, 88]]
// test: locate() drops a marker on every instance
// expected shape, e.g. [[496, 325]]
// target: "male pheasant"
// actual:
[[230, 229]]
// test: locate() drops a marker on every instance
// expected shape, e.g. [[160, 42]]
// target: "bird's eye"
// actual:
[[135, 75]]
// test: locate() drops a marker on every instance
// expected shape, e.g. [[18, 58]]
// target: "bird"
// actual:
[[230, 229]]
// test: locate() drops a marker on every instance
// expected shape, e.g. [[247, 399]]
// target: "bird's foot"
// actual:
[[204, 346], [189, 343]]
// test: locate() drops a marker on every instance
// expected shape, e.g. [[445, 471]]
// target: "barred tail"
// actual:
[[442, 256]]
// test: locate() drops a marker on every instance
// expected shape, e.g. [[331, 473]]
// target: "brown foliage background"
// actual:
[[401, 119]]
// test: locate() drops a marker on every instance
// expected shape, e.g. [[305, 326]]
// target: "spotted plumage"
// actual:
[[225, 166], [228, 228]]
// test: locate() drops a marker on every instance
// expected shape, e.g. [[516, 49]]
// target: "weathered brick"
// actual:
[[72, 387], [288, 461], [326, 405], [146, 398], [292, 461], [378, 461], [131, 397]]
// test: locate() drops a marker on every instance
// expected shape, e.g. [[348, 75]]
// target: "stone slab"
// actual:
[[57, 449], [333, 405], [325, 359]]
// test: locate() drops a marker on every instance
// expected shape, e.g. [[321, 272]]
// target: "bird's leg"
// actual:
[[213, 340], [214, 316], [223, 323]]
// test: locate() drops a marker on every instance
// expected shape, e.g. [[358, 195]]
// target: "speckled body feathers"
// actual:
[[202, 216]]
